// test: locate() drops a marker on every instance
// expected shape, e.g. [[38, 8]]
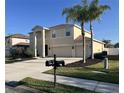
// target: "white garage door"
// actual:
[[63, 51], [79, 51]]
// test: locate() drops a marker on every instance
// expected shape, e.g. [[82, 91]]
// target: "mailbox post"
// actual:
[[55, 64], [54, 70]]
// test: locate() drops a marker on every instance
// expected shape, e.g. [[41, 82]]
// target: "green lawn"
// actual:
[[112, 75], [47, 87]]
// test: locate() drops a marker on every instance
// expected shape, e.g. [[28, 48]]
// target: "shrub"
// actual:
[[16, 52], [113, 57], [29, 52]]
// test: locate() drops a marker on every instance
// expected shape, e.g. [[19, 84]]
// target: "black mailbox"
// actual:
[[60, 63], [57, 63], [49, 63]]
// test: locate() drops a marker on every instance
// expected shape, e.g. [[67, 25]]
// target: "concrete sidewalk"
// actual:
[[21, 89], [96, 86]]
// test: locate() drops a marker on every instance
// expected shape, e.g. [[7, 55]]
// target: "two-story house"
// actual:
[[15, 40], [64, 40]]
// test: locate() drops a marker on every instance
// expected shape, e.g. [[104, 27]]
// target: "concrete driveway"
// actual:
[[34, 69], [19, 70]]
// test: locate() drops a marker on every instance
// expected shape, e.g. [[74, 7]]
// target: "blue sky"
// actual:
[[23, 15]]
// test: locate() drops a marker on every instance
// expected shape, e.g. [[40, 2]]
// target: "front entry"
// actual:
[[46, 50]]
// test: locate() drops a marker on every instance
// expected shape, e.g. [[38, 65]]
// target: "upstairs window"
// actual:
[[68, 33], [53, 35]]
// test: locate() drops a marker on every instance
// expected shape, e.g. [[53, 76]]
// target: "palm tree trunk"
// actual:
[[83, 36], [91, 30]]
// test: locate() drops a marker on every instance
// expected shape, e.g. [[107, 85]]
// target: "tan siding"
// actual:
[[39, 43], [97, 47], [32, 42], [87, 34], [60, 37], [77, 32]]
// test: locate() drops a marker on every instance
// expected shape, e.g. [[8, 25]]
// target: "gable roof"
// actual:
[[18, 36], [79, 38]]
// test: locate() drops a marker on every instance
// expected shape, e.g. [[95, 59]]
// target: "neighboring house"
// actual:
[[15, 40], [64, 40]]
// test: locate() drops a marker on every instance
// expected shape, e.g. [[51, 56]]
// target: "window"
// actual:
[[53, 35], [68, 33]]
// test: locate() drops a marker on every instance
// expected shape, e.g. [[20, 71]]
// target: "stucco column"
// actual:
[[43, 43], [35, 44]]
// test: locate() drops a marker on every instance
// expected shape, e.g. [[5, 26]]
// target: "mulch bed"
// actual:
[[81, 64]]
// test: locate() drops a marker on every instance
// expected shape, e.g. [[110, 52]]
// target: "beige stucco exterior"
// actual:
[[18, 40], [42, 42], [98, 46]]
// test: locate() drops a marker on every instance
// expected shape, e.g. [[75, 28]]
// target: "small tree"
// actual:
[[116, 45], [17, 52], [108, 44]]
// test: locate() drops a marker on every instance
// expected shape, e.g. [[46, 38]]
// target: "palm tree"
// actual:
[[78, 13], [94, 12]]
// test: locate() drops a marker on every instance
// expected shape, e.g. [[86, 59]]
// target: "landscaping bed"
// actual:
[[92, 72], [47, 87]]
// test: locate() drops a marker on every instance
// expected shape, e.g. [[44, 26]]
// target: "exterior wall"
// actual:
[[32, 42], [39, 43], [37, 36], [87, 34], [60, 36], [62, 44], [97, 47], [18, 40], [79, 49], [77, 32]]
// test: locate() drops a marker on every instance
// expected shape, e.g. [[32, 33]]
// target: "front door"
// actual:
[[46, 50]]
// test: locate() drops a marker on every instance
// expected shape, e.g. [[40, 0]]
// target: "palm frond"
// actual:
[[96, 10], [76, 13], [104, 7]]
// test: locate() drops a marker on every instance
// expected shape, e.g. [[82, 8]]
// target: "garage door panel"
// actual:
[[79, 51], [63, 51]]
